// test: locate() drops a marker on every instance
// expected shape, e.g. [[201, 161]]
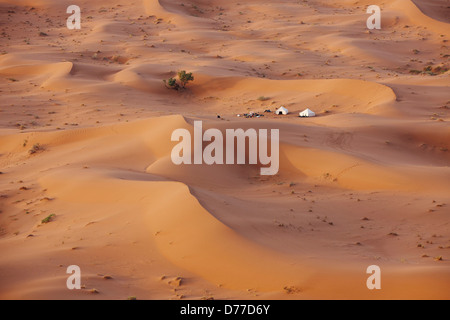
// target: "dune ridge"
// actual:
[[85, 141]]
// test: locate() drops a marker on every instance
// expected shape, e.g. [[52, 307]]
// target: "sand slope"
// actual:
[[364, 183]]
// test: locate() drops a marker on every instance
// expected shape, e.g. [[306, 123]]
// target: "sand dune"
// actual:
[[85, 135], [435, 9]]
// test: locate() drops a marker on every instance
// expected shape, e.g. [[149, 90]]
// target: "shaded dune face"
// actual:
[[85, 138], [438, 10]]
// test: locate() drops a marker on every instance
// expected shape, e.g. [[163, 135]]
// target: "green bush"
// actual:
[[183, 77], [171, 83], [48, 219]]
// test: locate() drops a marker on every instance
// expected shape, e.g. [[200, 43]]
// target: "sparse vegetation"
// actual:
[[183, 79], [196, 8], [292, 290], [36, 148], [431, 70], [48, 219], [171, 83]]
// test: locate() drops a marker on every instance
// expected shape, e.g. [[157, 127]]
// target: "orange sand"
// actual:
[[364, 183]]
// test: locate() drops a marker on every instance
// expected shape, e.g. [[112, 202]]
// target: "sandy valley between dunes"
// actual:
[[366, 182]]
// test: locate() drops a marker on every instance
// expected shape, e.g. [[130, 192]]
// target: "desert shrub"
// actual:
[[183, 79], [36, 148], [48, 219], [171, 83]]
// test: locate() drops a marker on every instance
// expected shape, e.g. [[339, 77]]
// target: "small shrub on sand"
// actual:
[[183, 79], [171, 83], [48, 219], [292, 290], [36, 148]]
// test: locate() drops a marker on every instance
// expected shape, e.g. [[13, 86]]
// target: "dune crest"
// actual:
[[87, 178]]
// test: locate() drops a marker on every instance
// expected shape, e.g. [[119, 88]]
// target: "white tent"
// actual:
[[307, 114], [282, 111]]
